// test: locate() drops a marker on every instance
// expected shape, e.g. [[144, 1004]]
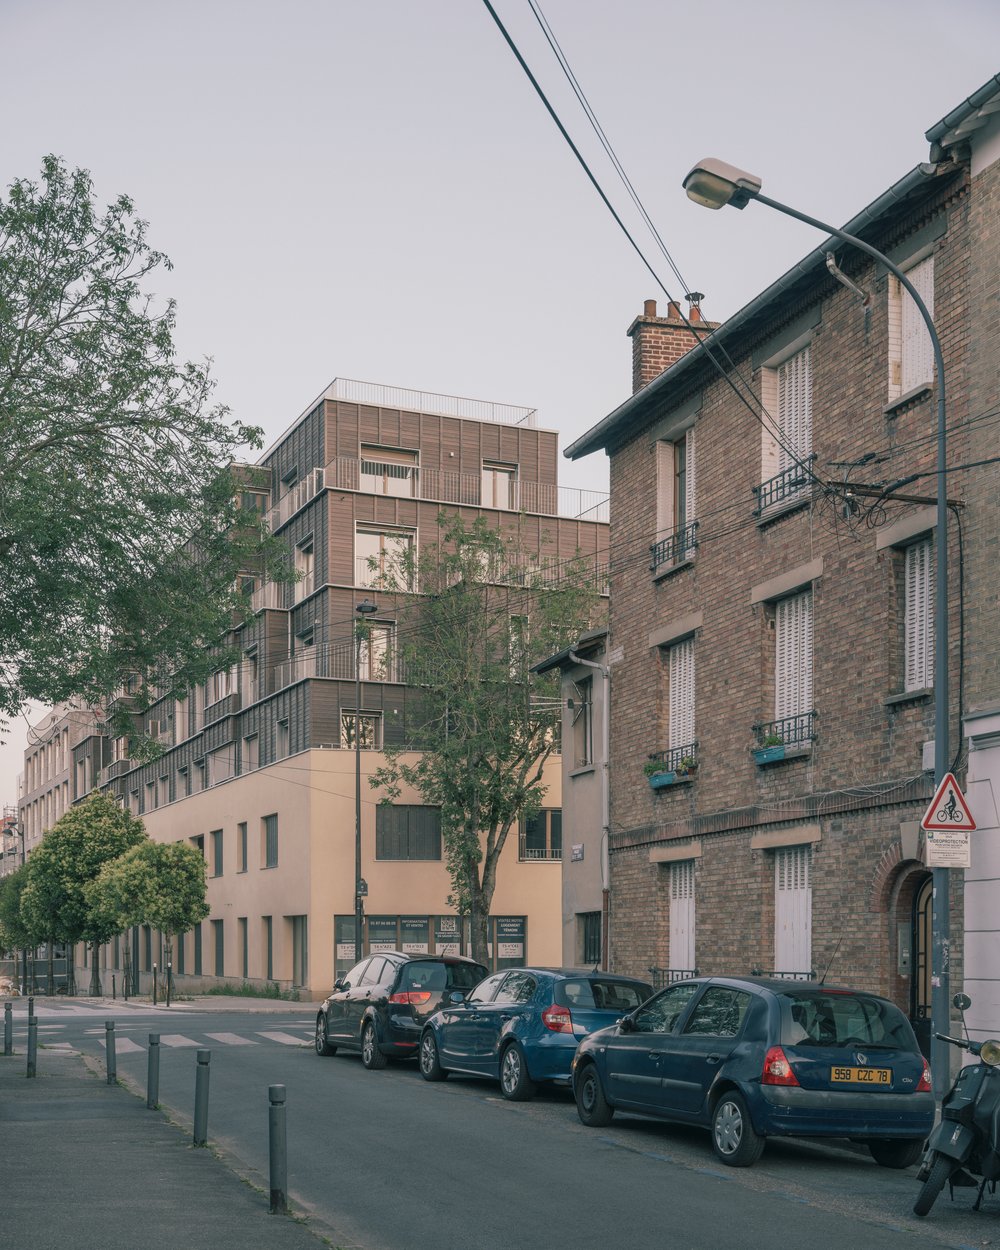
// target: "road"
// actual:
[[386, 1161]]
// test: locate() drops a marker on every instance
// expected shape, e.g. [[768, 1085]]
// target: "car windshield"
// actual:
[[836, 1018], [605, 994]]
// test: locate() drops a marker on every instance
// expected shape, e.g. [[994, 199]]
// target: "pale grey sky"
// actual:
[[371, 189]]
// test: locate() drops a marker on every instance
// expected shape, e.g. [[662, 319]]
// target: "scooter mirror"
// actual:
[[961, 1001]]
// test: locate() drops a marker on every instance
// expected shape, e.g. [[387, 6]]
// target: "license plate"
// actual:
[[862, 1076]]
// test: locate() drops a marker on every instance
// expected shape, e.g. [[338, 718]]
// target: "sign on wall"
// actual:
[[413, 935], [447, 936]]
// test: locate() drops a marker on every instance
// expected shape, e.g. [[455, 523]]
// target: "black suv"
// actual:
[[380, 1006]]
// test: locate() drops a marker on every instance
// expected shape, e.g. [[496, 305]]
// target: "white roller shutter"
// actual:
[[795, 409], [919, 667], [793, 686], [681, 708], [793, 909], [917, 352], [682, 915]]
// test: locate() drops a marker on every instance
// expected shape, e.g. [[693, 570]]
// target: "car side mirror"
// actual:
[[456, 997], [341, 985], [626, 1025]]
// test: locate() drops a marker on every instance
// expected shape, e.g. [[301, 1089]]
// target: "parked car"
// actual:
[[750, 1058], [380, 1006], [523, 1025]]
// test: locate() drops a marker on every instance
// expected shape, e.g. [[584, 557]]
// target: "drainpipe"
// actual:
[[605, 672]]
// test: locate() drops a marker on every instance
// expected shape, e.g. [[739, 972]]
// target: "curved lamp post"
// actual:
[[364, 609], [713, 184]]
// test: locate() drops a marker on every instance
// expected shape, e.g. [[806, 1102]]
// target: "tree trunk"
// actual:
[[70, 969], [479, 924], [95, 971]]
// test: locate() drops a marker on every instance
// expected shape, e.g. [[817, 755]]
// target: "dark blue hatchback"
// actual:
[[751, 1058], [523, 1025]]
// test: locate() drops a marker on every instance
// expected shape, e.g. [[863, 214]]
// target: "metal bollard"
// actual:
[[278, 1149], [32, 1047], [153, 1072], [201, 1098], [8, 1029], [109, 1046], [154, 985], [31, 1007], [114, 988], [170, 981]]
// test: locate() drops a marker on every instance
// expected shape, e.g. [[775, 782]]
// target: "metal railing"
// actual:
[[662, 977], [785, 976], [788, 731], [674, 549], [270, 595], [304, 587], [294, 499], [674, 757], [303, 664], [380, 396], [789, 484], [537, 852]]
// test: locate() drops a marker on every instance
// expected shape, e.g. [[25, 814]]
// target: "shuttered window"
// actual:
[[407, 832], [682, 916], [919, 616], [793, 677], [681, 709], [793, 909], [917, 354], [795, 409]]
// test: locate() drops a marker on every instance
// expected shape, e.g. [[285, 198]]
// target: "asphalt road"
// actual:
[[385, 1161]]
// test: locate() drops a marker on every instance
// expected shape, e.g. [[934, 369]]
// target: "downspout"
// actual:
[[605, 672]]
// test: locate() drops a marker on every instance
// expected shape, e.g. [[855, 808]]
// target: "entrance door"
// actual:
[[920, 981]]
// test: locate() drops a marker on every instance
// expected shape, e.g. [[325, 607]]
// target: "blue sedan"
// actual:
[[523, 1025]]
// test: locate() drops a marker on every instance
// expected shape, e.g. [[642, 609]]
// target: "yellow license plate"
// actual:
[[862, 1076]]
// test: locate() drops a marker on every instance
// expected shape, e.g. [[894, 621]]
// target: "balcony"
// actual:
[[270, 595], [675, 766], [537, 852], [118, 768], [295, 499], [675, 549], [301, 665], [786, 488], [226, 706], [304, 587], [786, 738], [378, 396]]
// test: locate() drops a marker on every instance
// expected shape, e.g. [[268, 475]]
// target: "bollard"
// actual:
[[109, 1046], [8, 1029], [201, 1098], [32, 1047], [114, 988], [170, 980], [31, 1008], [278, 1149], [154, 985], [153, 1072]]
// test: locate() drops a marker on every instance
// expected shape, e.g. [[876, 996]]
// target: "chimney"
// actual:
[[657, 342]]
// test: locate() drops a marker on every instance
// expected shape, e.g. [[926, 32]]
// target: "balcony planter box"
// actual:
[[769, 755], [659, 781]]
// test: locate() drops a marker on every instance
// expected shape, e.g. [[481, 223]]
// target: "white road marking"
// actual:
[[176, 1039], [286, 1039], [124, 1046], [231, 1039]]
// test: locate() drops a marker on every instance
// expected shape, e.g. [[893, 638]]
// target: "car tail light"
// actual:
[[924, 1084], [557, 1019], [412, 998], [777, 1069]]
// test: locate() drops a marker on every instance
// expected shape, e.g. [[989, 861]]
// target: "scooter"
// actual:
[[966, 1143]]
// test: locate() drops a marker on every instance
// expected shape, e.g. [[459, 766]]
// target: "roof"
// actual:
[[588, 642], [956, 126], [695, 366]]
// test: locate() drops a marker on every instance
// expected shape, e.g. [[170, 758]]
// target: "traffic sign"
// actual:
[[948, 809]]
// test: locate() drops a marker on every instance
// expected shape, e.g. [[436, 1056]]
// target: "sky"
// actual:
[[371, 189]]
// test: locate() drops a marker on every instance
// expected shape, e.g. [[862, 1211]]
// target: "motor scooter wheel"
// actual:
[[941, 1169]]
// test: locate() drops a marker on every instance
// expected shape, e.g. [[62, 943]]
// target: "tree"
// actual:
[[56, 900], [15, 931], [486, 724], [121, 528], [161, 884]]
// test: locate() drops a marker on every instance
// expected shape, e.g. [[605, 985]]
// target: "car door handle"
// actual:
[[654, 1055], [712, 1058], [506, 1015]]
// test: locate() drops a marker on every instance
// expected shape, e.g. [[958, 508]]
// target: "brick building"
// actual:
[[772, 604], [257, 767]]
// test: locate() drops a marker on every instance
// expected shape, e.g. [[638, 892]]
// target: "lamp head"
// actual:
[[366, 607], [712, 183]]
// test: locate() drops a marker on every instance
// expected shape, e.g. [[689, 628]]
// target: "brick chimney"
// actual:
[[657, 342]]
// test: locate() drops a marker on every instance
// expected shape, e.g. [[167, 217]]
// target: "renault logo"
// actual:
[[861, 1058]]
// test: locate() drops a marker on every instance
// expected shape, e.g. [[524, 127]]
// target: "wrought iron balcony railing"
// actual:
[[788, 731], [662, 977], [674, 549], [675, 757], [791, 483]]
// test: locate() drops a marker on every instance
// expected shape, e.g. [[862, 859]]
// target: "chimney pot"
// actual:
[[649, 308], [673, 312]]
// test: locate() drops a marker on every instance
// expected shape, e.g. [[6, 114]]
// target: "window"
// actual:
[[675, 501], [680, 709], [221, 685], [383, 559], [267, 933], [682, 916], [407, 832], [590, 937], [197, 950], [377, 645], [242, 937], [219, 947], [517, 646], [282, 740], [499, 489], [518, 988], [305, 569], [542, 835], [919, 616], [369, 728], [216, 839], [255, 501], [583, 722], [485, 990], [241, 846], [251, 753], [181, 942], [389, 471], [249, 678], [163, 791], [300, 950], [663, 1011], [150, 796], [911, 355], [720, 1013], [269, 830], [793, 670], [219, 765], [792, 909], [198, 842], [183, 782], [786, 393]]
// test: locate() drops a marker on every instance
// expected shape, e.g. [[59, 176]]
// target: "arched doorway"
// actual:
[[920, 980]]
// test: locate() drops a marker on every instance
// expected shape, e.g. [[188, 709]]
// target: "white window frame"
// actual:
[[389, 471], [911, 353], [499, 485], [370, 724], [378, 652], [681, 695], [675, 511], [786, 394], [793, 655], [305, 566], [388, 545], [793, 908], [682, 916], [918, 614]]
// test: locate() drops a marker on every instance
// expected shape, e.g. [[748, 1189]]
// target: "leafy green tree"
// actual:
[[486, 725], [56, 899], [161, 884], [121, 528], [15, 931]]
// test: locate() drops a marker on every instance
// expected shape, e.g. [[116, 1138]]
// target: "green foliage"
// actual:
[[486, 725], [653, 767], [159, 884], [121, 530], [270, 989], [15, 932]]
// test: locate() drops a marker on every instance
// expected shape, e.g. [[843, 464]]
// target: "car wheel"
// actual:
[[734, 1138], [591, 1105], [371, 1056], [323, 1046], [430, 1060], [515, 1083], [896, 1154]]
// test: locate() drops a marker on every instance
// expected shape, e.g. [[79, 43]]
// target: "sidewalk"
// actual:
[[85, 1164]]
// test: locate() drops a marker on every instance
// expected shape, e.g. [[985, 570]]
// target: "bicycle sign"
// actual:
[[948, 809]]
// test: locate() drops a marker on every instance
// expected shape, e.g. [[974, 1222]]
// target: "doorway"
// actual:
[[920, 981]]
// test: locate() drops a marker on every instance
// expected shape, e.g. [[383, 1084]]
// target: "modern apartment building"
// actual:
[[258, 768], [771, 621]]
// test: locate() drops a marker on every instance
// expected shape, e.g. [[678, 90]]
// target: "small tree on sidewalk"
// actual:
[[16, 933]]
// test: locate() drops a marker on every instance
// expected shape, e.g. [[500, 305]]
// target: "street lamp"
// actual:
[[364, 609], [713, 184]]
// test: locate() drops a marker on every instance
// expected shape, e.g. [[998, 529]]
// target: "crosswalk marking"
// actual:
[[231, 1039], [176, 1040], [124, 1046], [286, 1039]]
